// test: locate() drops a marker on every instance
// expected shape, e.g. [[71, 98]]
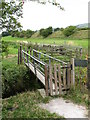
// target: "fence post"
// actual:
[[64, 76], [55, 77], [59, 77], [72, 72], [18, 56], [46, 80], [20, 53], [24, 56], [27, 55], [68, 75], [50, 77]]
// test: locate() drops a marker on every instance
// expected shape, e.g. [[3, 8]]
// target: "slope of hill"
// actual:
[[57, 34], [85, 25], [36, 35], [82, 34]]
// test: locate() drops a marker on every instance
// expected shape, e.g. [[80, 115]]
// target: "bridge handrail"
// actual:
[[33, 58], [50, 57]]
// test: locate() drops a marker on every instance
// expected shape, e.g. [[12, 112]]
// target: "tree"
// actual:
[[11, 12], [69, 30], [46, 32], [53, 2]]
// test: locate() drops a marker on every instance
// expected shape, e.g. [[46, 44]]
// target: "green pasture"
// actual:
[[55, 41]]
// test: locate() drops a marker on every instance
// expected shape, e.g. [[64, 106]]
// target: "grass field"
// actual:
[[82, 43]]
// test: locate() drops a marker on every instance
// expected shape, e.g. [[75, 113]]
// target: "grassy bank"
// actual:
[[25, 105]]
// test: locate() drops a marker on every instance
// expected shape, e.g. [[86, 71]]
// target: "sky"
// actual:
[[37, 16]]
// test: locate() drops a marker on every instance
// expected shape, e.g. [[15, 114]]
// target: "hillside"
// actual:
[[85, 25], [36, 35], [82, 34], [57, 34]]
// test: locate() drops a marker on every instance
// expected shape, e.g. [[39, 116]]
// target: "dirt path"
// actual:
[[65, 108]]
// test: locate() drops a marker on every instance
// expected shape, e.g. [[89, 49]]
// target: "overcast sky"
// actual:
[[37, 16]]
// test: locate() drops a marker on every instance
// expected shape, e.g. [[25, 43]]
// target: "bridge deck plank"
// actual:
[[39, 75]]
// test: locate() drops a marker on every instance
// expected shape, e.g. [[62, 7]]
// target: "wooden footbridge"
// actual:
[[56, 75]]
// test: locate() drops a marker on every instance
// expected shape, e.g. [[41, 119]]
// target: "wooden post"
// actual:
[[18, 56], [64, 76], [68, 75], [50, 77], [46, 80], [59, 77], [80, 52], [72, 72], [30, 53], [39, 57], [24, 56], [27, 55], [20, 53], [55, 76]]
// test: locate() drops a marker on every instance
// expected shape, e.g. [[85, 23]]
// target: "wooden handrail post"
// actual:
[[20, 53], [30, 53], [24, 56], [27, 55], [18, 56], [46, 81], [50, 77], [64, 76], [68, 75], [72, 72], [55, 78], [59, 77]]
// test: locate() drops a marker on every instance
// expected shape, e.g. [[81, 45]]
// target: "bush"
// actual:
[[5, 48], [23, 33], [17, 34], [61, 29], [5, 34], [69, 30], [16, 79], [29, 33], [83, 29], [56, 29], [46, 32]]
